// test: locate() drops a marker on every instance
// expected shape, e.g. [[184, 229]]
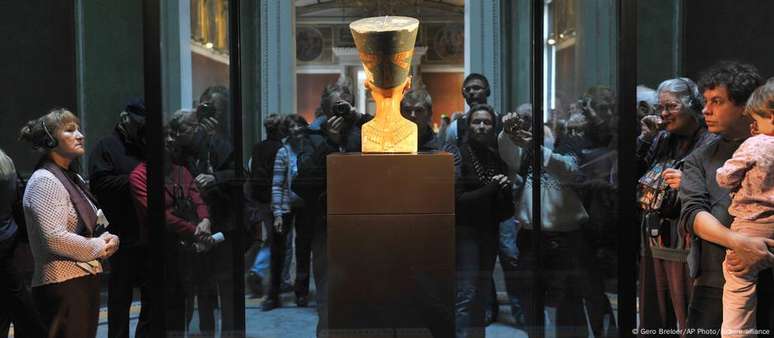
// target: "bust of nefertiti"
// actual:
[[386, 46]]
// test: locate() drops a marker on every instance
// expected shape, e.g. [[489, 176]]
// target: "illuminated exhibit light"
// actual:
[[551, 39]]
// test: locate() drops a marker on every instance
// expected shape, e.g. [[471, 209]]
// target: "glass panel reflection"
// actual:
[[576, 259], [199, 169]]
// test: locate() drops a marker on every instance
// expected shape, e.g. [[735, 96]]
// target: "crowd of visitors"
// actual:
[[704, 157]]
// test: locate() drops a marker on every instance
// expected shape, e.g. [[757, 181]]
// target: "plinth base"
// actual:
[[391, 245]]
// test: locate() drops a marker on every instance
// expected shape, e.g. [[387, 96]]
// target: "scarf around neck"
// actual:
[[82, 200]]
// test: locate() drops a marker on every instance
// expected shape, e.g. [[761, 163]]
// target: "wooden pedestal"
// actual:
[[390, 245]]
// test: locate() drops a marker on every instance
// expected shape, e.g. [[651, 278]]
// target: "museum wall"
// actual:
[[111, 65], [720, 30], [446, 91], [657, 41], [207, 72], [310, 87], [38, 67]]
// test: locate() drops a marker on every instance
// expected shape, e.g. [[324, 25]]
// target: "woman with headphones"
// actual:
[[664, 276], [63, 224]]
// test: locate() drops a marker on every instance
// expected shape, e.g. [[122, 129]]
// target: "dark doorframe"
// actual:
[[536, 75], [151, 27], [628, 229], [235, 87]]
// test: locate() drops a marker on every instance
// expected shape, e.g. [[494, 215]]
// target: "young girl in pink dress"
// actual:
[[750, 176]]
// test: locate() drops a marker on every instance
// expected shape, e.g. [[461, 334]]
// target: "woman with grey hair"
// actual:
[[680, 91], [680, 129]]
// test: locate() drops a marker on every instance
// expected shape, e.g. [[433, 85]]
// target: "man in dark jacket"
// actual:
[[726, 88], [259, 188], [340, 132], [475, 90], [112, 160]]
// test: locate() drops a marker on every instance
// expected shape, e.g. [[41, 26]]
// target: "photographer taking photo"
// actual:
[[343, 124]]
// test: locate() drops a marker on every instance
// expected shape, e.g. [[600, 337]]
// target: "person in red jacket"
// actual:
[[178, 178], [188, 228]]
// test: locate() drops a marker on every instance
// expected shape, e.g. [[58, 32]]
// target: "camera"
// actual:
[[518, 122], [584, 103], [342, 108], [205, 110]]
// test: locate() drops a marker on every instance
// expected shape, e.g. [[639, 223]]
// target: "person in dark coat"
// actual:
[[483, 200], [704, 212], [16, 304], [339, 132], [259, 192], [209, 156], [110, 163]]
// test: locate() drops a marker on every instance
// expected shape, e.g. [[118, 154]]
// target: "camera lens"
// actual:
[[341, 108]]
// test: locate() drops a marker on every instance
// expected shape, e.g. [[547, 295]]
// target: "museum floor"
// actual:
[[293, 322]]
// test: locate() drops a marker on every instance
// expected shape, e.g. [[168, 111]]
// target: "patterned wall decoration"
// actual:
[[343, 36], [314, 44], [446, 44]]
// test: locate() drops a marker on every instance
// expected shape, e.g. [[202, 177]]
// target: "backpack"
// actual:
[[310, 159]]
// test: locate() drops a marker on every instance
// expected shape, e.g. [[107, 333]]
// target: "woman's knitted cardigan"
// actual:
[[59, 252]]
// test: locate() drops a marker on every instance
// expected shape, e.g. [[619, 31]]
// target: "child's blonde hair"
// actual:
[[761, 101]]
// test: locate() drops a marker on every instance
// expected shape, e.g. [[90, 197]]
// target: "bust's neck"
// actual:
[[388, 108]]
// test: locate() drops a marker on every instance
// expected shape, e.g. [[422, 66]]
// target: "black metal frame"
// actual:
[[536, 75], [235, 79], [155, 156], [628, 234]]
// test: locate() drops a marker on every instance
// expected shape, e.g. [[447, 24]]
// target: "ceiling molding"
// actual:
[[329, 20], [310, 9]]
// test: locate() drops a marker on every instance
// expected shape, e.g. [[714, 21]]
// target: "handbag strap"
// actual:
[[177, 191]]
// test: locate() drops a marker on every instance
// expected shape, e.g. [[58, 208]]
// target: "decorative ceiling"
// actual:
[[302, 3], [345, 10]]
